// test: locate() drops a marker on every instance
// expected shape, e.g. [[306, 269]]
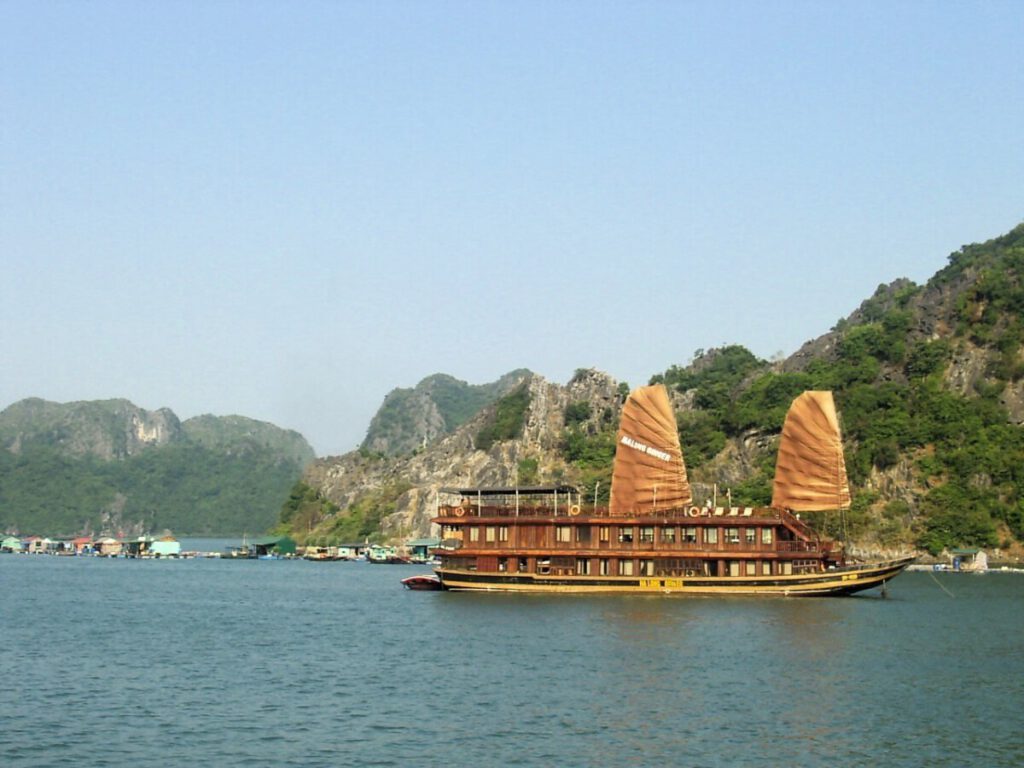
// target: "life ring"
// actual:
[[694, 512], [574, 510], [459, 511]]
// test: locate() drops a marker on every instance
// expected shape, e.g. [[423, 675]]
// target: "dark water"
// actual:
[[123, 662]]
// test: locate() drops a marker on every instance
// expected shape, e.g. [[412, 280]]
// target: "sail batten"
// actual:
[[649, 473], [810, 472]]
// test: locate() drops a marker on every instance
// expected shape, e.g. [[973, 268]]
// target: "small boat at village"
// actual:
[[652, 538], [424, 582], [384, 555], [322, 554]]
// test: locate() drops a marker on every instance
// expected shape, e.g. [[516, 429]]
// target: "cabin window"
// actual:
[[524, 565], [647, 534], [625, 567], [766, 535], [710, 535], [582, 566], [502, 563], [732, 535], [503, 533], [751, 535], [474, 534], [787, 568], [490, 534], [734, 567], [563, 534], [626, 535], [583, 534], [544, 566], [604, 534], [602, 566], [690, 535], [646, 567], [751, 568], [668, 534], [766, 568]]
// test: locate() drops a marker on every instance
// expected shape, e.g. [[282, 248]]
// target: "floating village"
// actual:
[[412, 552]]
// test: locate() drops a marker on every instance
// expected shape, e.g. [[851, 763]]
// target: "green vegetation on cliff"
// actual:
[[312, 519], [112, 467], [437, 406], [966, 455], [506, 420]]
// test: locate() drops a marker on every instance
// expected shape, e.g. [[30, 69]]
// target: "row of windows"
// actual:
[[642, 567], [644, 534], [492, 533], [667, 534]]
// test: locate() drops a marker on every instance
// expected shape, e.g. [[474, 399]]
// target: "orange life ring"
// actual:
[[574, 510], [459, 511], [694, 511]]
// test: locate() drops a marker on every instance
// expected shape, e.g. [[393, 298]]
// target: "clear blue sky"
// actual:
[[287, 209]]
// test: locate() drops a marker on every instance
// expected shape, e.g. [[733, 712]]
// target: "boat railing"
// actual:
[[726, 515], [797, 546]]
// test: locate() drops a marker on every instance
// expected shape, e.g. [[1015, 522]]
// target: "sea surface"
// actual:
[[108, 662]]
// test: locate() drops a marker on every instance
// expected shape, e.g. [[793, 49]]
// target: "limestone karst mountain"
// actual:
[[929, 383], [109, 465]]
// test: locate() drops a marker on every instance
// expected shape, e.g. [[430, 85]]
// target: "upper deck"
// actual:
[[564, 505]]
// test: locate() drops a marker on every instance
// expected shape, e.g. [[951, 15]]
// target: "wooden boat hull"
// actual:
[[839, 581]]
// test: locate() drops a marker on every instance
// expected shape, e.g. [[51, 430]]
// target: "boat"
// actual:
[[651, 537], [322, 554], [423, 582], [382, 555]]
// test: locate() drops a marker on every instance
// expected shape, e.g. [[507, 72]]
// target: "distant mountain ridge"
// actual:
[[109, 465]]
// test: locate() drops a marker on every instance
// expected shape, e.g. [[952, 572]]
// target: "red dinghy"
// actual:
[[426, 582]]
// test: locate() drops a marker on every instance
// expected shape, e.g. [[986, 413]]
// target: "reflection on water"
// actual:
[[295, 663]]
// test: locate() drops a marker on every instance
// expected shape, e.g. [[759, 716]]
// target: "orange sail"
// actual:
[[649, 473], [810, 474]]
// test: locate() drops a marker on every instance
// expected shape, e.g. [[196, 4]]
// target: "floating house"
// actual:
[[138, 547], [419, 549], [274, 545], [166, 546], [11, 544], [108, 547], [969, 559], [352, 551], [82, 545], [36, 545]]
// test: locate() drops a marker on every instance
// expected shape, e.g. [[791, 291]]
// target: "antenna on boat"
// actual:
[[517, 489], [596, 486]]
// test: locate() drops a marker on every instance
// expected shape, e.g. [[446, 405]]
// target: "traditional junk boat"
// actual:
[[652, 537]]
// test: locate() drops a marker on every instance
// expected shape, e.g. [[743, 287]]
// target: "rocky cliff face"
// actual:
[[106, 429], [410, 419], [454, 461]]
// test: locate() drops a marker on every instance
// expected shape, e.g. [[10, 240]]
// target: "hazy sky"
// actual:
[[287, 209]]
